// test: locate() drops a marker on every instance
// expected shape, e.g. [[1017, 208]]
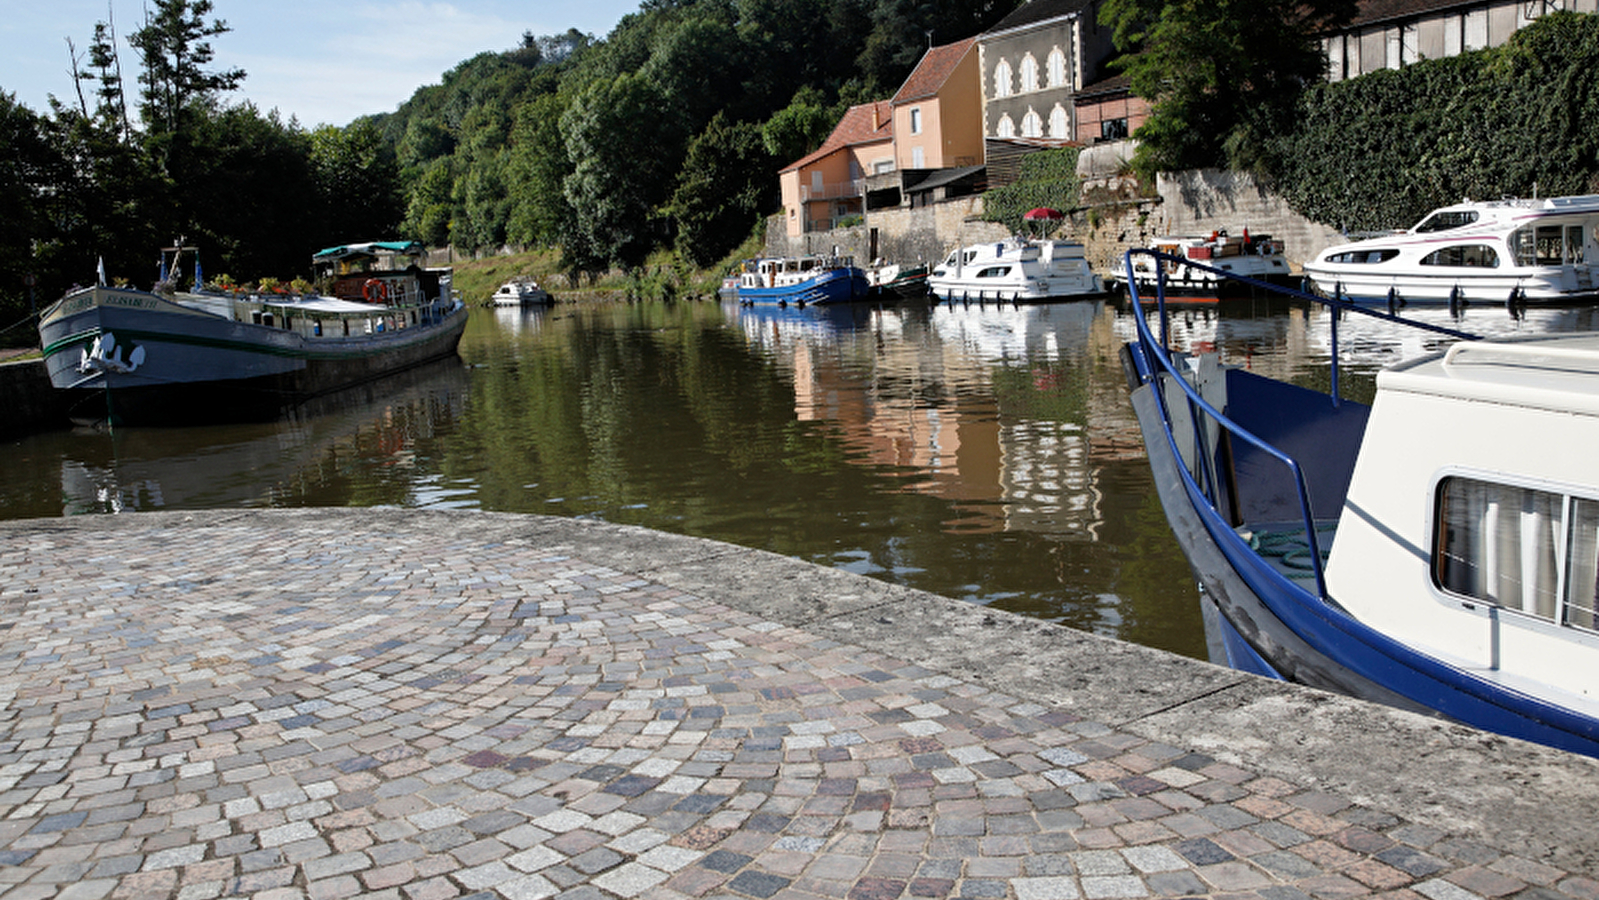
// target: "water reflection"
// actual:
[[982, 452], [315, 451]]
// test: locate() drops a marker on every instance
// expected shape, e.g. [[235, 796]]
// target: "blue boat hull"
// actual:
[[833, 286], [1268, 621]]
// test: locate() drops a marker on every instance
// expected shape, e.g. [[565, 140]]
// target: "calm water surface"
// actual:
[[987, 454]]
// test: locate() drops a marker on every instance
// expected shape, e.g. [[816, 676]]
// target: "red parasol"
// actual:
[[1042, 212]]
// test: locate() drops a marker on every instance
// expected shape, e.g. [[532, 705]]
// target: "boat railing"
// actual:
[[1154, 358]]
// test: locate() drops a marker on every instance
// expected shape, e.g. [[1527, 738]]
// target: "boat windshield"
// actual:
[[1443, 220]]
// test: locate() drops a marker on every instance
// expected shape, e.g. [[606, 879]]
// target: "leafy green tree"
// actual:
[[725, 185], [536, 170], [800, 127], [357, 183], [429, 207], [901, 31], [175, 53], [1222, 75], [619, 134], [29, 166], [254, 200]]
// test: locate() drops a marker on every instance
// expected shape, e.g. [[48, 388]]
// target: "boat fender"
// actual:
[[375, 291]]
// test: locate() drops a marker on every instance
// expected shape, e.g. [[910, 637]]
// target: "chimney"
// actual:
[[875, 124]]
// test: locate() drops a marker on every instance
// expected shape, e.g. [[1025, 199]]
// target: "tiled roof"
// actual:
[[1116, 84], [1371, 11], [934, 69], [1035, 12], [857, 126]]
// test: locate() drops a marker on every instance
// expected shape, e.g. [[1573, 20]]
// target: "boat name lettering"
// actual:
[[128, 300]]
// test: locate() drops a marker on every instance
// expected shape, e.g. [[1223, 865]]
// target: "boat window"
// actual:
[[1547, 245], [1366, 257], [1582, 566], [994, 272], [1447, 219], [1497, 543], [1479, 256]]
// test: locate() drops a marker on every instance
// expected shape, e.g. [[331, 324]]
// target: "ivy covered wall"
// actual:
[[1380, 151]]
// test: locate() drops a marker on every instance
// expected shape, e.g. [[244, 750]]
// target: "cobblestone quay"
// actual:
[[421, 705]]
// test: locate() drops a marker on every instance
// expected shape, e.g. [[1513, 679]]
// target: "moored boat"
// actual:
[[1437, 550], [1016, 270], [802, 280], [129, 356], [520, 292], [891, 281], [1499, 251], [1205, 263]]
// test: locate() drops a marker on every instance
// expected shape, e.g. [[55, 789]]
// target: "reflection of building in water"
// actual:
[[986, 407]]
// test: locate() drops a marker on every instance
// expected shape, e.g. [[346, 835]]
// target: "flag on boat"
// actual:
[[161, 268], [100, 270], [199, 284]]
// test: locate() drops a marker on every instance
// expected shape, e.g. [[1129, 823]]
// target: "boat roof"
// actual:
[[369, 248], [1559, 373]]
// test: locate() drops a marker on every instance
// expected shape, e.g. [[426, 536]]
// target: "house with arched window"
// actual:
[[1034, 61]]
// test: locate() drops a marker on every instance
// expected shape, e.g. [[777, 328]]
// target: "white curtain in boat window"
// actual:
[[1499, 543], [1582, 565]]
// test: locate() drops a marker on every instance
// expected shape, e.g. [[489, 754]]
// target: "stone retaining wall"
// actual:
[[1119, 214], [30, 403]]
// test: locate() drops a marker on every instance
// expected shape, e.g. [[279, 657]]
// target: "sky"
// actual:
[[320, 61]]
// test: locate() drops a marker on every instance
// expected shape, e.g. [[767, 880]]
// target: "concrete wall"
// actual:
[[903, 235], [31, 404], [1119, 214], [1204, 200]]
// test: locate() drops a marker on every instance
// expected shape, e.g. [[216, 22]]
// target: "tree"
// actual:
[[536, 171], [800, 127], [174, 51], [357, 183], [252, 203], [28, 166], [1222, 75], [725, 185], [622, 139]]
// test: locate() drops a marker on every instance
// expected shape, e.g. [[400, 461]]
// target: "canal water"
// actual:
[[986, 453]]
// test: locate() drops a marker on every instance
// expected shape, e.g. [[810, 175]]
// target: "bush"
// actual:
[[1047, 178], [1381, 150]]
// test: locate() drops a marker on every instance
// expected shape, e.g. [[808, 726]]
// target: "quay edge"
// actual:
[[30, 402], [1517, 798]]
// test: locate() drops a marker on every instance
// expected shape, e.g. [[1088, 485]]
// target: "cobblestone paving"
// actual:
[[310, 712]]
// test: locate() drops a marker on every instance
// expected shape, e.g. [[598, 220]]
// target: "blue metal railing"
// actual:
[[1155, 357]]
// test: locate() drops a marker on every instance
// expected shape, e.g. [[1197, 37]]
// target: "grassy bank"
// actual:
[[664, 276]]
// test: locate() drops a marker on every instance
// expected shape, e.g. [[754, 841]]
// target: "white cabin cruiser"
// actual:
[[1016, 270], [521, 292], [1205, 263], [1497, 251]]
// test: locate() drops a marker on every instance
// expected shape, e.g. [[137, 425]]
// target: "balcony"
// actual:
[[852, 188]]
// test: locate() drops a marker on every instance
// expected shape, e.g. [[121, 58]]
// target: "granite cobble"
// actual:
[[314, 710]]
